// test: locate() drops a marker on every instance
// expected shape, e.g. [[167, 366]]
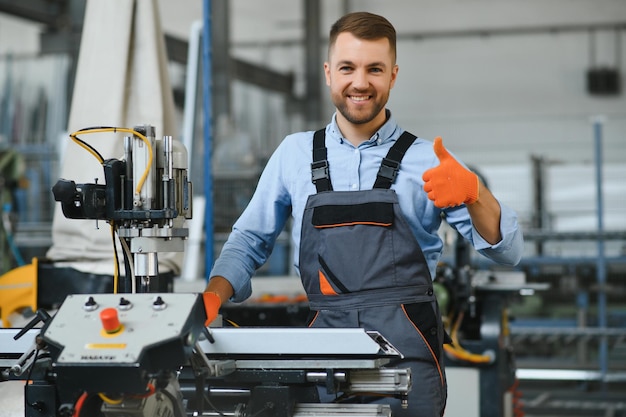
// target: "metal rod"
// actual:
[[323, 376], [539, 200], [313, 62], [461, 33], [601, 262], [191, 87], [542, 235], [127, 194], [208, 138], [166, 177]]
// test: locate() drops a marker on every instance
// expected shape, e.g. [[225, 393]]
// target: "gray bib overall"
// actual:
[[361, 266]]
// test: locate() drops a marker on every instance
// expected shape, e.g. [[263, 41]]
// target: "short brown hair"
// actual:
[[364, 25]]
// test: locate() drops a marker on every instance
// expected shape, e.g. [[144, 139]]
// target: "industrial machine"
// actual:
[[150, 354], [146, 198], [480, 361], [139, 353]]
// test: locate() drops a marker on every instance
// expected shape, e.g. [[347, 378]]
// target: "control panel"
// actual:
[[127, 338]]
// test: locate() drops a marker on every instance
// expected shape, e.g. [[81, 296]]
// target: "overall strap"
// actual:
[[320, 174], [391, 163]]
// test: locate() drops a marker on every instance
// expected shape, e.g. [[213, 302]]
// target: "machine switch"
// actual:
[[125, 304], [110, 321], [90, 304], [158, 303]]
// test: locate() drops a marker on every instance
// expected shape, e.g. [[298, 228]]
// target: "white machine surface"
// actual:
[[12, 399], [141, 320]]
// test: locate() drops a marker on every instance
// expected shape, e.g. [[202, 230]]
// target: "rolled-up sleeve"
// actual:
[[510, 249]]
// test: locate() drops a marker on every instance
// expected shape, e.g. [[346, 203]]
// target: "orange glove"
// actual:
[[212, 304], [449, 184]]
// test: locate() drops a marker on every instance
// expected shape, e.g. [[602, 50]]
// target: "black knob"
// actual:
[[158, 303], [125, 304], [90, 304]]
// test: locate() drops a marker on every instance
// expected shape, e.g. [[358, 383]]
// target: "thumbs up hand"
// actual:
[[449, 184]]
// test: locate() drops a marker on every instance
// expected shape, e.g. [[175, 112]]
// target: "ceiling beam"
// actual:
[[48, 12], [248, 72]]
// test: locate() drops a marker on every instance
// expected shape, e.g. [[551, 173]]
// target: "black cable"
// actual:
[[260, 411], [29, 377], [98, 128], [206, 398], [89, 146], [174, 400], [116, 257], [128, 285]]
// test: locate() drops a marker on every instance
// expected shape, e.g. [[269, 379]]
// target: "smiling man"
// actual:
[[367, 199], [359, 85]]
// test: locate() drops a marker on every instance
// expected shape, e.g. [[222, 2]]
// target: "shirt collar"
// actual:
[[389, 131]]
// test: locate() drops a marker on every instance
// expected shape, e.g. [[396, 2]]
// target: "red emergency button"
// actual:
[[110, 321]]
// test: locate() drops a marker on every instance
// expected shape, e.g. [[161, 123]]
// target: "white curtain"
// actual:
[[121, 81]]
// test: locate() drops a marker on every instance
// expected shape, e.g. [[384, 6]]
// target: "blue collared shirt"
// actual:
[[285, 185]]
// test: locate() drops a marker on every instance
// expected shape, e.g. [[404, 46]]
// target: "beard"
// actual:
[[361, 116]]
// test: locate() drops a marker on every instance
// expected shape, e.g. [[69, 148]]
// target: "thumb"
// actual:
[[440, 150]]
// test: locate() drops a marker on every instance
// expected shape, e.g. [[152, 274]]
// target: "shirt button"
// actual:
[[354, 186]]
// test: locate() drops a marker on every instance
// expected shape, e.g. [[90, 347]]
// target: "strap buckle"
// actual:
[[388, 169], [319, 171]]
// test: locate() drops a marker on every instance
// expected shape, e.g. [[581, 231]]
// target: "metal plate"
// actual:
[[308, 342]]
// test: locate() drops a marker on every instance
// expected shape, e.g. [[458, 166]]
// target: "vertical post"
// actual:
[[221, 68], [601, 261], [313, 64], [208, 138], [582, 304], [539, 215]]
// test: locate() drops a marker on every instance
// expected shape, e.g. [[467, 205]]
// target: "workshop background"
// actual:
[[530, 93]]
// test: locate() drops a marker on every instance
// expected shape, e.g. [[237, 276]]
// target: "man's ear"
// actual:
[[327, 73], [394, 75]]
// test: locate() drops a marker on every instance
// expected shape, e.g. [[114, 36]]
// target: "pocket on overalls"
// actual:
[[423, 319], [355, 247], [374, 213]]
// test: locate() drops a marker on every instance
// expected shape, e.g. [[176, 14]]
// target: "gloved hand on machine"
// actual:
[[212, 304]]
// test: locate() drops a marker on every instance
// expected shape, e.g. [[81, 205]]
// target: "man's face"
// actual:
[[360, 74]]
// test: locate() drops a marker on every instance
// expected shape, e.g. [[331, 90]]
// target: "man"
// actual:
[[366, 256]]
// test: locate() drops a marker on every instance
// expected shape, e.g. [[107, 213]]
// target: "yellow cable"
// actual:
[[92, 151], [131, 265], [458, 351], [122, 129], [464, 355], [109, 400], [88, 148]]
